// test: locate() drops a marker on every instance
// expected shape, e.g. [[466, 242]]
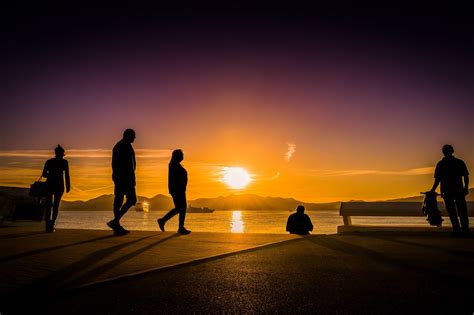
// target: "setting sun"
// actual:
[[235, 177]]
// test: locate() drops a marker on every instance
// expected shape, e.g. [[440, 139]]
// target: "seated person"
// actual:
[[299, 222]]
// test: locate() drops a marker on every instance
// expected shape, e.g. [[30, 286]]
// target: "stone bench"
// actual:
[[390, 209]]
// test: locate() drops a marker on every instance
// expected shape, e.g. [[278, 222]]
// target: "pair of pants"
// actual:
[[52, 203], [456, 205], [121, 208], [180, 205]]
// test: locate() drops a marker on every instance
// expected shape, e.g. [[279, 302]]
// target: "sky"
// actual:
[[320, 104]]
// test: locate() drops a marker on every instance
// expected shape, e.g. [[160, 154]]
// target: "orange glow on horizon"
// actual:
[[263, 171]]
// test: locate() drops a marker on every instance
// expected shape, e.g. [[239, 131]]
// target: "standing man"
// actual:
[[453, 175], [123, 175], [177, 182]]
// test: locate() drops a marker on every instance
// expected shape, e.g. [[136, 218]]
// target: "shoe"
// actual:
[[161, 224], [121, 231], [49, 227], [183, 231], [111, 224], [117, 228], [50, 230], [466, 234]]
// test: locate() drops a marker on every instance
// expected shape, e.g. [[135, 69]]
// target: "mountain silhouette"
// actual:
[[104, 202], [231, 202], [419, 198], [162, 202], [255, 202]]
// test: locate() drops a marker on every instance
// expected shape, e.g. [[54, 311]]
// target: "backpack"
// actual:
[[430, 209]]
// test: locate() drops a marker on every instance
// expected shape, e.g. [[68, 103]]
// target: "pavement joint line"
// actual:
[[185, 263]]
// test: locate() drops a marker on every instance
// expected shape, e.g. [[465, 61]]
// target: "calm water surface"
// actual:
[[237, 221]]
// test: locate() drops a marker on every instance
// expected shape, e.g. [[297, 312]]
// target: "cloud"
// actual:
[[409, 172], [155, 154], [276, 176], [290, 152], [84, 153], [27, 153]]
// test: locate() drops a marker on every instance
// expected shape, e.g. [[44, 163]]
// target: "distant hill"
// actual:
[[419, 198], [105, 202], [162, 202], [254, 202], [231, 202]]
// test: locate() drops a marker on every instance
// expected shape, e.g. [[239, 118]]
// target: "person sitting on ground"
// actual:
[[299, 222]]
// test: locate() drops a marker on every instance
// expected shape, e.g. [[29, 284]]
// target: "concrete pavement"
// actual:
[[359, 273]]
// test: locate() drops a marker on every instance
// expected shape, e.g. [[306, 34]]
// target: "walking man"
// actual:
[[177, 182], [453, 175], [123, 175]]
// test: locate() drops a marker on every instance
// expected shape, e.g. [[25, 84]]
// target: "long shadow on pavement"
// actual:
[[92, 274], [49, 285], [18, 235], [455, 252], [52, 248], [356, 250], [52, 281], [195, 262]]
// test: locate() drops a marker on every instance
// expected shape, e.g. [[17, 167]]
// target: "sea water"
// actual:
[[236, 221]]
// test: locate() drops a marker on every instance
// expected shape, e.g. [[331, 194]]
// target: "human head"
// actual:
[[177, 156], [448, 150], [300, 209], [59, 151], [129, 135]]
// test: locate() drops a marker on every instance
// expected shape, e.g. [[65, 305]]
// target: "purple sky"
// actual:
[[353, 91]]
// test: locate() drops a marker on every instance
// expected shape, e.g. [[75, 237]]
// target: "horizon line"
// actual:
[[236, 194]]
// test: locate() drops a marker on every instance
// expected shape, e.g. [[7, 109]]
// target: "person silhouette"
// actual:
[[55, 171], [450, 172], [299, 222], [177, 182], [123, 175]]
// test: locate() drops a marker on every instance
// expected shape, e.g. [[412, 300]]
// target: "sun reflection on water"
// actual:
[[236, 224]]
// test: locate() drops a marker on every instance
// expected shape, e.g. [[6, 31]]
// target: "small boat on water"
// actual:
[[192, 209], [142, 206]]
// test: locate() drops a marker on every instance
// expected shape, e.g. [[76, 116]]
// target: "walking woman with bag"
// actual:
[[55, 170]]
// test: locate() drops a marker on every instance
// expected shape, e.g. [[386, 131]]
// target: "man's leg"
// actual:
[[57, 199], [170, 214], [182, 209], [118, 201], [453, 216], [47, 214], [462, 211], [173, 211], [131, 201]]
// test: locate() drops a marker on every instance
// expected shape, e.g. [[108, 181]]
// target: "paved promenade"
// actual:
[[78, 271]]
